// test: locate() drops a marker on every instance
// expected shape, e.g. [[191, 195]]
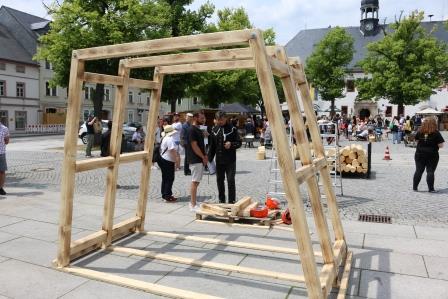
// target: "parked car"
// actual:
[[127, 131]]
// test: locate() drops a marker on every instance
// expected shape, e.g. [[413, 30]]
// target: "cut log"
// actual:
[[355, 163], [246, 211], [213, 209], [240, 205]]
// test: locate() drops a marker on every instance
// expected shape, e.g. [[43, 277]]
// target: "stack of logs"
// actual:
[[352, 158]]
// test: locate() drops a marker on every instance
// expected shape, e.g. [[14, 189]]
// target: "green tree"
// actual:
[[327, 65], [405, 66], [232, 86], [88, 23]]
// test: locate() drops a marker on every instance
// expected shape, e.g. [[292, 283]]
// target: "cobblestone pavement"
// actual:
[[388, 192]]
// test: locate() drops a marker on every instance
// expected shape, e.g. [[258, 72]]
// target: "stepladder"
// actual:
[[244, 49]]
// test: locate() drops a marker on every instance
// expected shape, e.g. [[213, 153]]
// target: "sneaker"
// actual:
[[433, 191], [194, 208], [2, 191]]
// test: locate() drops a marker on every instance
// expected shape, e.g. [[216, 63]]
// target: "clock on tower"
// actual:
[[369, 17]]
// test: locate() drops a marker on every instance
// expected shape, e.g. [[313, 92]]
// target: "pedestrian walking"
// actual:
[[105, 140], [224, 142], [197, 158], [177, 126], [90, 135], [167, 162], [4, 140], [429, 141]]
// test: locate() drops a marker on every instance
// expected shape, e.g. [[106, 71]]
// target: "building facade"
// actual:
[[370, 30]]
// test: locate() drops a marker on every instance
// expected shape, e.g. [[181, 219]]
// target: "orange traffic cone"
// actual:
[[386, 154]]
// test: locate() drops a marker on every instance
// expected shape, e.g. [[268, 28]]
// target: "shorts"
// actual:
[[3, 166], [197, 170]]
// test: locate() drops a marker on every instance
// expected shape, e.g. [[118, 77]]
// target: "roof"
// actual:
[[238, 108], [303, 43], [25, 30], [11, 49]]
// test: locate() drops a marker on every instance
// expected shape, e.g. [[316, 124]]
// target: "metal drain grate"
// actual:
[[375, 218]]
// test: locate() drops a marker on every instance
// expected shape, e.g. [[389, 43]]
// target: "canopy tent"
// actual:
[[428, 111], [238, 108]]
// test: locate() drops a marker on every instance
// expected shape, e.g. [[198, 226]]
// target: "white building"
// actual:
[[370, 30]]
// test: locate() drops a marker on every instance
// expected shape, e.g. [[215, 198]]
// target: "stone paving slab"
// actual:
[[7, 220], [5, 237], [405, 245], [29, 250], [432, 233], [98, 290], [376, 284], [386, 261], [24, 280], [437, 267]]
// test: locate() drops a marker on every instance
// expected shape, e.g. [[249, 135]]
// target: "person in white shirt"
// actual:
[[138, 139], [168, 152], [4, 140]]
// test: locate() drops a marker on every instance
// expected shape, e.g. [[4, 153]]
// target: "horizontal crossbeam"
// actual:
[[118, 81], [207, 67], [103, 162], [153, 288], [306, 172], [207, 264], [208, 40]]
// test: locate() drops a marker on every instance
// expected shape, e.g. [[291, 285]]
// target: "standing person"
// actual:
[[224, 142], [105, 140], [4, 140], [177, 125], [90, 135], [394, 128], [429, 140], [197, 157], [167, 162], [185, 141], [138, 139]]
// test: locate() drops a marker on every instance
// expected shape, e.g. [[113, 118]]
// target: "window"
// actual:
[[344, 110], [350, 85], [400, 111], [20, 89], [140, 99], [2, 88], [20, 120], [147, 100], [86, 114], [388, 111], [130, 116], [195, 100], [50, 91], [50, 110], [48, 65], [2, 66], [131, 97], [107, 94], [179, 101], [86, 93], [20, 68], [4, 117]]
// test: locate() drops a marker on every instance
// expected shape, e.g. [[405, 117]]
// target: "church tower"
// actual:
[[369, 17]]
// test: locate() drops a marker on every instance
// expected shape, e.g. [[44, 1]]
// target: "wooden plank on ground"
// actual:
[[345, 276], [207, 264], [153, 288], [246, 211], [213, 210], [240, 205]]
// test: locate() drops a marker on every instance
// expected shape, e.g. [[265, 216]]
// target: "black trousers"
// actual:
[[187, 170], [168, 169], [428, 161], [228, 171]]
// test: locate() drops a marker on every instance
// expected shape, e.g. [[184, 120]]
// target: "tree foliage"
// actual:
[[406, 66], [326, 67], [232, 86]]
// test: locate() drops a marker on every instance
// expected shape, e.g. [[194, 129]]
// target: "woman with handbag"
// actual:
[[429, 140]]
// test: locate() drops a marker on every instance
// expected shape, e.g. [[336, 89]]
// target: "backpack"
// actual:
[[156, 155]]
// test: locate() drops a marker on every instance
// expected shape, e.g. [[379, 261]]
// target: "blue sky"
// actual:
[[288, 17]]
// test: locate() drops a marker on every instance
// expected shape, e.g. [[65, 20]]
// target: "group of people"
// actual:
[[203, 149]]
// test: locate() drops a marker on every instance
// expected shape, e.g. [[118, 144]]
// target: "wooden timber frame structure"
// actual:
[[244, 49]]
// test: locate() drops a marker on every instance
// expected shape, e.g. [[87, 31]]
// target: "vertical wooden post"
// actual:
[[149, 147], [115, 149], [301, 230], [68, 168], [319, 150], [306, 159]]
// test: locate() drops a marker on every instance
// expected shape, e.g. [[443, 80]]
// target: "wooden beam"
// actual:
[[145, 174], [207, 40], [143, 84], [188, 58], [103, 79], [132, 157], [345, 276], [86, 242], [330, 270], [207, 67], [207, 264], [304, 173], [69, 166], [286, 165], [95, 163], [125, 227], [121, 97], [152, 288], [278, 68]]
